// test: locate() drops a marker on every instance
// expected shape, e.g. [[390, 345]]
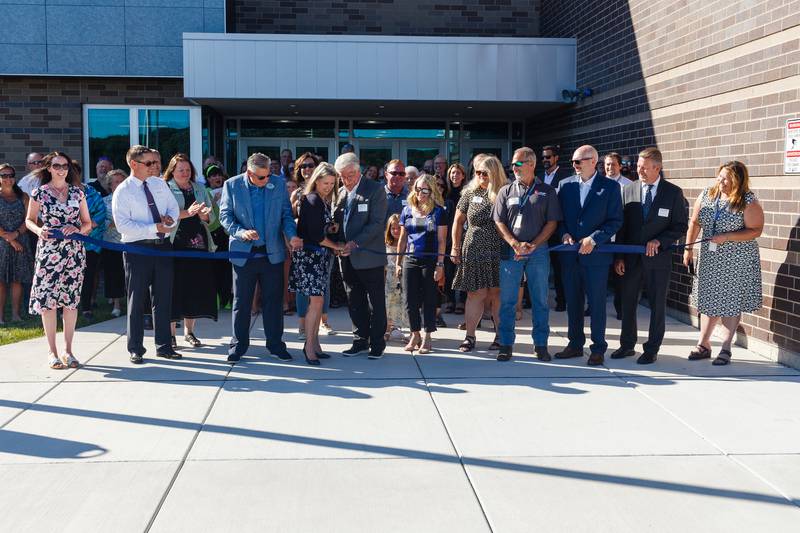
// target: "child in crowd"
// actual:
[[395, 301]]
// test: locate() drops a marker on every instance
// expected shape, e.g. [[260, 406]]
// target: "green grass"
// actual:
[[31, 326]]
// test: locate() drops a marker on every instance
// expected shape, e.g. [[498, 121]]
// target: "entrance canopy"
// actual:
[[332, 75]]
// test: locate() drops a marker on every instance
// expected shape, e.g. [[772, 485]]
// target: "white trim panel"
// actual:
[[354, 67]]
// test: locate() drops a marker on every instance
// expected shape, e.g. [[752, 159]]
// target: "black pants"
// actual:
[[555, 266], [270, 278], [657, 282], [223, 274], [420, 289], [113, 273], [89, 279], [366, 301], [149, 275]]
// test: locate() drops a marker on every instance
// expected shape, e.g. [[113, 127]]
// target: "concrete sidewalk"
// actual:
[[441, 442]]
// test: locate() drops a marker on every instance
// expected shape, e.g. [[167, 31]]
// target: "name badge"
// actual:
[[477, 199], [518, 222], [362, 208], [420, 222], [663, 212], [712, 247], [513, 201], [404, 203], [73, 203]]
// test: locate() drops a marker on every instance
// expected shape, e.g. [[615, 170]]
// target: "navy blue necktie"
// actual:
[[151, 203], [648, 201]]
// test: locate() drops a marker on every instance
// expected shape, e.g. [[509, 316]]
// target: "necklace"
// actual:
[[60, 194]]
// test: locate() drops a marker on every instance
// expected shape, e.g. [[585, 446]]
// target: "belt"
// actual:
[[152, 242], [259, 249]]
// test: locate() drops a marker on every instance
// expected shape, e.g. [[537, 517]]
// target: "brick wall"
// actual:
[[44, 114], [706, 82], [512, 18]]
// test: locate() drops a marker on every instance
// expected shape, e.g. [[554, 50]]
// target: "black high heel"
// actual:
[[322, 355], [312, 362]]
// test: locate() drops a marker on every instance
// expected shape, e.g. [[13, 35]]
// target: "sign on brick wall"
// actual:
[[791, 162]]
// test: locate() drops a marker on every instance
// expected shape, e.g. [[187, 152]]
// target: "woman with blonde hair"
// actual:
[[728, 281], [478, 256], [310, 274], [423, 244]]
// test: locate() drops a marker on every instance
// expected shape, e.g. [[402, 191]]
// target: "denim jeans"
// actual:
[[537, 270], [301, 300]]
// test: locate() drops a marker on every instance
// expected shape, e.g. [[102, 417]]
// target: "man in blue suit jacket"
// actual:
[[256, 213], [592, 209]]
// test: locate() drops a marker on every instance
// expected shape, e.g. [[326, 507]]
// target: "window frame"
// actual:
[[195, 130]]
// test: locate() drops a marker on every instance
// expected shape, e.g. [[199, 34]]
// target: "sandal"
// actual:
[[700, 353], [468, 345], [191, 339], [70, 361], [495, 345], [413, 344], [723, 358], [55, 363]]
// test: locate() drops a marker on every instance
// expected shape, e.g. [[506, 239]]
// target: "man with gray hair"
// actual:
[[255, 211], [29, 181], [361, 214]]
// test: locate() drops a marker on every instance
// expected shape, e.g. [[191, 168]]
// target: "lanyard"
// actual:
[[717, 213], [531, 190]]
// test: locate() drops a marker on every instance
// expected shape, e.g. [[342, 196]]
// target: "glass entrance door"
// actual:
[[269, 147], [375, 152], [415, 153], [470, 149], [272, 147]]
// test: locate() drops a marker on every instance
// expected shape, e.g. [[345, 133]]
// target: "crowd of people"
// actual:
[[399, 246]]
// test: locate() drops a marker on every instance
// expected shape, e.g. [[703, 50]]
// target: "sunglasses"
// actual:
[[37, 162], [8, 175], [148, 164], [423, 190], [309, 165], [547, 157], [59, 166], [518, 164], [482, 173], [579, 161], [397, 173]]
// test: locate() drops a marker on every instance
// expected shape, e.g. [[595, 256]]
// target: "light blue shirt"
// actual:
[[257, 200], [585, 187]]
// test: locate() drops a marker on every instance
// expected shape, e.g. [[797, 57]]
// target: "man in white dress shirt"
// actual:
[[30, 181], [145, 211], [612, 164]]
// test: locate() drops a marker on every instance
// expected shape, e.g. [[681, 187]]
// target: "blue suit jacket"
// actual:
[[600, 217], [236, 216]]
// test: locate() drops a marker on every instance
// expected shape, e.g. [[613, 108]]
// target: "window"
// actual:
[[109, 130]]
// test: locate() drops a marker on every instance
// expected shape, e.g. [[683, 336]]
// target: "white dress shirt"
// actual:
[[132, 215], [27, 183], [653, 190], [622, 180], [548, 178], [585, 187]]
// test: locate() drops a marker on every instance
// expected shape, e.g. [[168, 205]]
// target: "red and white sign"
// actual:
[[791, 160]]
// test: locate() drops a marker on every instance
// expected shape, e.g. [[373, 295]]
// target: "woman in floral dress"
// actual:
[[60, 263]]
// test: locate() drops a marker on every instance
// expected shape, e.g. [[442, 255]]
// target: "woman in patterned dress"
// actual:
[[728, 281], [310, 274], [61, 205], [16, 254], [478, 259]]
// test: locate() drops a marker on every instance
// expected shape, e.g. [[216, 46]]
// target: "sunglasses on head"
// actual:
[[581, 160], [423, 190], [59, 166], [308, 165], [148, 164]]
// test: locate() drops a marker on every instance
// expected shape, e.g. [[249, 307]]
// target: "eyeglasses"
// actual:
[[581, 160], [8, 175], [396, 173], [423, 190], [59, 166], [37, 162], [148, 164], [482, 173], [308, 165]]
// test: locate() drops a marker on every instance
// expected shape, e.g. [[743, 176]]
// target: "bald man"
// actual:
[[592, 209]]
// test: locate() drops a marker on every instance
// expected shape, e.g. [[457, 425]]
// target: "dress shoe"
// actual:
[[570, 351], [312, 362], [283, 355], [622, 352], [596, 359], [375, 354], [323, 355], [504, 354], [560, 308], [136, 359], [647, 358], [172, 354], [542, 354], [440, 323], [355, 349], [232, 357]]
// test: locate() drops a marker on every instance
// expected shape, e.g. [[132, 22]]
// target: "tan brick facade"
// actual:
[[706, 82]]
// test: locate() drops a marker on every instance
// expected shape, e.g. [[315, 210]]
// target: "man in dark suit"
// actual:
[[592, 209], [361, 213], [656, 216], [552, 174]]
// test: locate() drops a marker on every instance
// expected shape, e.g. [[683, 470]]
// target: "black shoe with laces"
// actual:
[[504, 354]]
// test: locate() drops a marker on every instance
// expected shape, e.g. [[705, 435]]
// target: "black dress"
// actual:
[[194, 291], [309, 273]]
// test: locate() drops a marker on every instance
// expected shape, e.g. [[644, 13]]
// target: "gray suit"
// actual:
[[363, 223]]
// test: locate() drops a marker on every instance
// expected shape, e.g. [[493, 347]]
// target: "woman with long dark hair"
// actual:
[[16, 253], [60, 204]]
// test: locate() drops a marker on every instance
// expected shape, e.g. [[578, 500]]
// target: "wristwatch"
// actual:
[[439, 264]]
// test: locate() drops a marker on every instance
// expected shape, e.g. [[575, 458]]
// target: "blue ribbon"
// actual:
[[144, 250]]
